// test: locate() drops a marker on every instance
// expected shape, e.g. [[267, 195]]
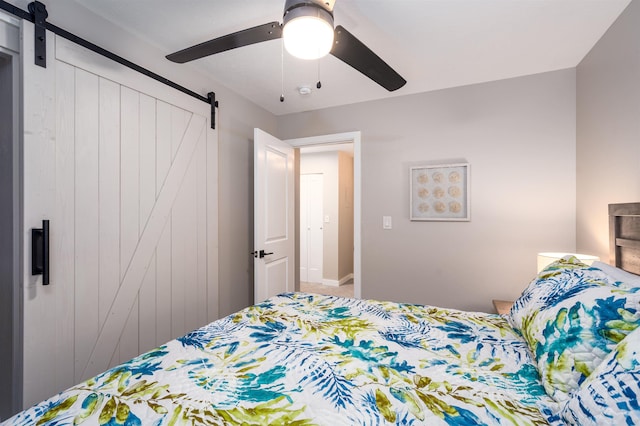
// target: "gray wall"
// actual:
[[518, 135], [8, 255], [10, 221], [237, 119], [345, 213], [608, 133]]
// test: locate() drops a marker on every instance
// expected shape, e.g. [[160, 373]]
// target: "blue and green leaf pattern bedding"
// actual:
[[305, 359], [611, 394], [572, 316]]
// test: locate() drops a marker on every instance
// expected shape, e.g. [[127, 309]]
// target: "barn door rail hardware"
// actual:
[[38, 15], [40, 252]]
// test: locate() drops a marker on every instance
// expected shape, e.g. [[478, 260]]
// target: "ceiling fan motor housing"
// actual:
[[307, 30], [295, 8]]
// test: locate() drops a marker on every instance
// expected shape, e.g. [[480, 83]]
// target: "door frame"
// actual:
[[10, 48], [335, 138]]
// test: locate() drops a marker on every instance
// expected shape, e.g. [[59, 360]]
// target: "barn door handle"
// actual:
[[263, 254], [40, 252]]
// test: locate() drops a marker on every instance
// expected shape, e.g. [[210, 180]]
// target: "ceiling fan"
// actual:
[[308, 33]]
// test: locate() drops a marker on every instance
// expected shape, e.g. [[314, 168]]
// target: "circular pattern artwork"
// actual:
[[455, 191], [440, 192]]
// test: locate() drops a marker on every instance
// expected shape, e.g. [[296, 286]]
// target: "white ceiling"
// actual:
[[433, 44]]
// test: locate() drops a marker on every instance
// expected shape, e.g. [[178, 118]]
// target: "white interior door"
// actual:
[[274, 222], [312, 234], [126, 171]]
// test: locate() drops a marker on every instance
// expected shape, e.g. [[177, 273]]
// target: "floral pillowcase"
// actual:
[[611, 394], [572, 316]]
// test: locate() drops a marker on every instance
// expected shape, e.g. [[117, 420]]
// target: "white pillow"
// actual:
[[627, 278]]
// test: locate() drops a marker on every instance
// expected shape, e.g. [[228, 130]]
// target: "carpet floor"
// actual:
[[345, 290]]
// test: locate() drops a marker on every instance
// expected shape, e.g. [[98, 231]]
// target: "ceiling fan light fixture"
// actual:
[[300, 21], [308, 31]]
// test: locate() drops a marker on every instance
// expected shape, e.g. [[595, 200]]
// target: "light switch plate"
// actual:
[[386, 222], [326, 218]]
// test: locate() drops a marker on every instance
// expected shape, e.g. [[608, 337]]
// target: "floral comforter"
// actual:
[[306, 359]]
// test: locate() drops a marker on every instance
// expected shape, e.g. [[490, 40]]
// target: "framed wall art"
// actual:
[[439, 192]]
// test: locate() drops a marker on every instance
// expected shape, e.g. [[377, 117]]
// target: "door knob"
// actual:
[[263, 254], [260, 253]]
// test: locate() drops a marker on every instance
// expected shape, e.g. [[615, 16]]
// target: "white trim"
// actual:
[[346, 278], [354, 137], [9, 33], [337, 283], [9, 18]]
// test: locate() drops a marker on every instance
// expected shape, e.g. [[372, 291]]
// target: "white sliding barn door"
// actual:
[[126, 171]]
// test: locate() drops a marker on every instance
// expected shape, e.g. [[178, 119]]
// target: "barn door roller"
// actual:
[[39, 13]]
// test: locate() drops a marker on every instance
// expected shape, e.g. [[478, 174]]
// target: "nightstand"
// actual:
[[502, 306]]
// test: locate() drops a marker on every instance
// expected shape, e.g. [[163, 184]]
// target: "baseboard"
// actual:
[[336, 283], [346, 278]]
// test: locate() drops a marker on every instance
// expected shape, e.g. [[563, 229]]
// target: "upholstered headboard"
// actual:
[[624, 236]]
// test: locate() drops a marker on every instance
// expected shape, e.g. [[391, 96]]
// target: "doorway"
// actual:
[[332, 142], [10, 225]]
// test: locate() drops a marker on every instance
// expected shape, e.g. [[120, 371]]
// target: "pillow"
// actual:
[[623, 278], [609, 396], [572, 316]]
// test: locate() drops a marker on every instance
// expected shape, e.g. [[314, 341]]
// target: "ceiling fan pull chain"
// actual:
[[318, 84], [282, 71]]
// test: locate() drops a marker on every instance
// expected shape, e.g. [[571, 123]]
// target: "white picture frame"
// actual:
[[440, 192]]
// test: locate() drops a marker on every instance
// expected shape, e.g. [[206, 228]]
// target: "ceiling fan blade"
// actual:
[[352, 51], [265, 32]]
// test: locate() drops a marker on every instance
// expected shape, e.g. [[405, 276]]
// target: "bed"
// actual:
[[567, 353]]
